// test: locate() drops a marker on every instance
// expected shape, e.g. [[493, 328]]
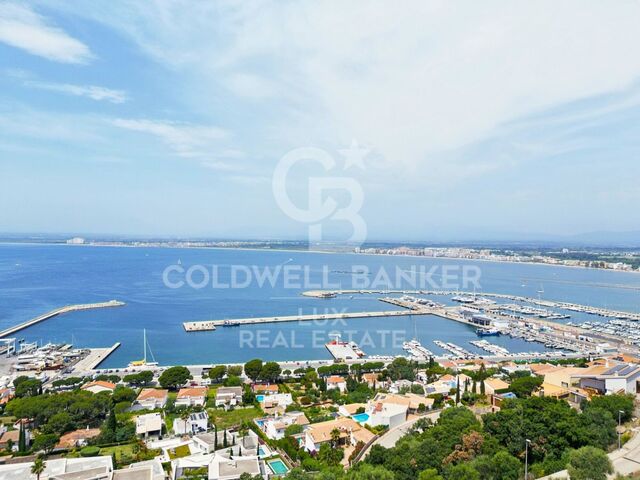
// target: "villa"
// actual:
[[195, 423], [386, 414], [265, 388], [337, 382], [274, 427], [349, 432], [99, 386], [282, 400], [152, 398], [149, 425], [192, 397], [77, 438], [492, 385], [228, 396]]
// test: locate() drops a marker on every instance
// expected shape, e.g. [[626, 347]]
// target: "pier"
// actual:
[[96, 357], [59, 311], [206, 325]]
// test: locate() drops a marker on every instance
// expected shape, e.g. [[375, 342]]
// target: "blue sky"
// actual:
[[169, 117]]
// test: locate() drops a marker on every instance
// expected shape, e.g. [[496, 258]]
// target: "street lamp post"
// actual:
[[526, 458], [620, 412]]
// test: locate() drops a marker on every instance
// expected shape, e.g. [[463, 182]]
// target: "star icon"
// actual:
[[354, 155]]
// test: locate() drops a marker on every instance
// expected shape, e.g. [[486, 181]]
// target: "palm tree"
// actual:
[[38, 466]]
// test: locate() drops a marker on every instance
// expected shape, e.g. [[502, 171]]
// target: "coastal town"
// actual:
[[627, 261], [258, 420]]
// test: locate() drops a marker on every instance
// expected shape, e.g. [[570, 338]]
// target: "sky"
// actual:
[[421, 121]]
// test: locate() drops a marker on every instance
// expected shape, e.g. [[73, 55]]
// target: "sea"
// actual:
[[164, 287]]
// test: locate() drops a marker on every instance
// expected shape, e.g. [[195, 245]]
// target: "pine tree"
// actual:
[[458, 391], [482, 386], [474, 388], [225, 442], [215, 440]]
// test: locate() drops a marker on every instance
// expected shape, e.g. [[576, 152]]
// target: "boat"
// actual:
[[230, 323], [143, 362], [487, 332]]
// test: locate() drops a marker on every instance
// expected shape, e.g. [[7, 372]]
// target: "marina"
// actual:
[[162, 311]]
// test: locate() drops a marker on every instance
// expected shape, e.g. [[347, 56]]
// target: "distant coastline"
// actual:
[[345, 250]]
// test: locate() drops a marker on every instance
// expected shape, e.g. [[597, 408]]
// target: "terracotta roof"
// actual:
[[149, 393], [370, 377], [335, 379], [542, 368], [352, 408], [265, 388], [321, 432], [496, 383], [13, 435], [99, 383], [70, 439], [192, 392]]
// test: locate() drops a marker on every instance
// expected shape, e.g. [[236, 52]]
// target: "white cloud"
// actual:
[[187, 140], [89, 91], [413, 81], [22, 28]]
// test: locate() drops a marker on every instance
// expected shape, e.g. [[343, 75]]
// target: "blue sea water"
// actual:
[[37, 278]]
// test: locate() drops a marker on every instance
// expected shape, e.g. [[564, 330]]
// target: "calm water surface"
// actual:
[[38, 278]]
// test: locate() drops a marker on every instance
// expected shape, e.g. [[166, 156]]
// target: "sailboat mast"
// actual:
[[145, 344]]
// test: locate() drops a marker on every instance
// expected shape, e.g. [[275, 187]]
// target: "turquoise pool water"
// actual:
[[260, 398], [278, 467], [361, 417]]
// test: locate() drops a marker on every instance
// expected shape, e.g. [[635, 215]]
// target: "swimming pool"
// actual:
[[361, 417], [278, 466], [260, 398]]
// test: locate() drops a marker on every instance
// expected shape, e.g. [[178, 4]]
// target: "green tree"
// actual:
[[22, 440], [253, 368], [59, 423], [589, 463], [235, 370], [402, 369], [429, 474], [46, 442], [27, 387], [270, 372], [525, 386], [123, 394], [38, 466], [139, 379], [174, 377], [217, 373], [613, 404], [463, 471]]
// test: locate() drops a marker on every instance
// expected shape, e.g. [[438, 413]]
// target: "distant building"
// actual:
[[76, 241]]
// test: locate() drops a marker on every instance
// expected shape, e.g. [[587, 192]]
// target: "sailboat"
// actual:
[[143, 362]]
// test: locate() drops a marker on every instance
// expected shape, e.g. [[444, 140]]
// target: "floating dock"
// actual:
[[59, 311], [213, 324]]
